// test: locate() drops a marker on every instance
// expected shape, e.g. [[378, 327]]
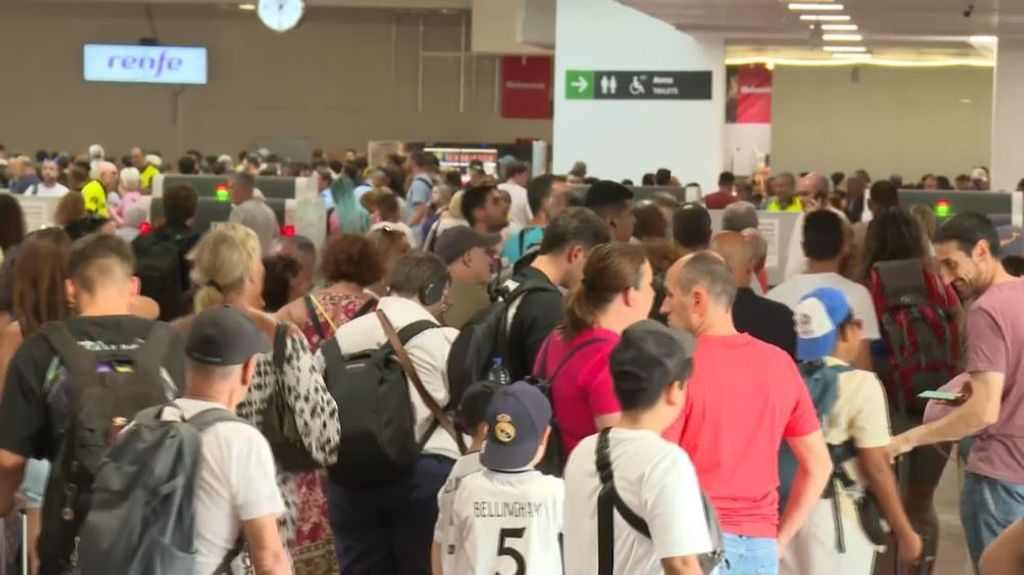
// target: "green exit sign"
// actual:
[[579, 84]]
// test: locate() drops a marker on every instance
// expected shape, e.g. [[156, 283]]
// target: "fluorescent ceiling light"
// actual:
[[845, 49], [247, 6], [848, 56], [829, 6], [824, 17], [838, 27], [842, 37], [983, 39]]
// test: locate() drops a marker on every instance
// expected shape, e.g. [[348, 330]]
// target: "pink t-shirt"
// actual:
[[744, 398], [582, 389], [995, 335]]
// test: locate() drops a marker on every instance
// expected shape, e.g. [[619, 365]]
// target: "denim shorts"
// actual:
[[33, 486], [987, 507], [749, 556]]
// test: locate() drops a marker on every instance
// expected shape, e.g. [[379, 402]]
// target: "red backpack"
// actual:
[[919, 327]]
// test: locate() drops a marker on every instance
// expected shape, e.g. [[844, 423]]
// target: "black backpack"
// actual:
[[555, 456], [158, 266], [371, 388], [482, 340], [278, 424], [100, 393], [142, 517]]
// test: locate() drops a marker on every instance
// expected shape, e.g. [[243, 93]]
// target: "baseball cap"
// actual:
[[475, 400], [606, 193], [476, 165], [517, 417], [650, 354], [223, 336], [455, 242], [818, 317]]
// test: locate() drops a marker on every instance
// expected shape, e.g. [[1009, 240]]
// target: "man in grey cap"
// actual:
[[468, 255], [652, 477], [236, 489]]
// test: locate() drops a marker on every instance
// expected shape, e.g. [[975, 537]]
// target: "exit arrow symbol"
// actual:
[[580, 84]]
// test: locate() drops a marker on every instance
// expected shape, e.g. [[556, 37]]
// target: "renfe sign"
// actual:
[[144, 64]]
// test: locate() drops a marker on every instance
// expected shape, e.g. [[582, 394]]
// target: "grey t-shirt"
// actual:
[[258, 217]]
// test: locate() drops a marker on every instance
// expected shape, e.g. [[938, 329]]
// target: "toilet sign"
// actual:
[[639, 85]]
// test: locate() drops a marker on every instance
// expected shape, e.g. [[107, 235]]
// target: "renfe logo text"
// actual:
[[156, 64], [131, 63]]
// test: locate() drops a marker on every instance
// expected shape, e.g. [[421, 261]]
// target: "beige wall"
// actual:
[[905, 121], [330, 82]]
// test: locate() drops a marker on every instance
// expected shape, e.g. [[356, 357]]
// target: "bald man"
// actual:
[[766, 320], [104, 180], [812, 190]]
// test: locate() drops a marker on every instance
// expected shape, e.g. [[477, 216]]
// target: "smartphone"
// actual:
[[941, 395]]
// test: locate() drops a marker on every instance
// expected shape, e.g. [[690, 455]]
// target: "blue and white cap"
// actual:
[[818, 317]]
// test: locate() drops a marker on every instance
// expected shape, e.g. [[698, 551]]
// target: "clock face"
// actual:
[[281, 15]]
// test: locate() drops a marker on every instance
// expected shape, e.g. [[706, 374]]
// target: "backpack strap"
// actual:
[[314, 316], [608, 500], [77, 360], [370, 305], [572, 353], [505, 326], [398, 345], [225, 564], [281, 344]]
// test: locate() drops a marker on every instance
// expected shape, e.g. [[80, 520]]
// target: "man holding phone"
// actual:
[[967, 251]]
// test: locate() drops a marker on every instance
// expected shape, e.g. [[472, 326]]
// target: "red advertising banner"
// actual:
[[526, 87], [754, 100]]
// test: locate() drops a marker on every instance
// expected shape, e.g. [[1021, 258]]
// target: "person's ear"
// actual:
[[981, 251], [573, 253], [134, 286], [675, 394], [249, 370]]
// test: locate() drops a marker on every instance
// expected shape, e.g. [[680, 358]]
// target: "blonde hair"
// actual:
[[222, 262]]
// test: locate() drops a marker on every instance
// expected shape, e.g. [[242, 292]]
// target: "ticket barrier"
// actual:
[[211, 186]]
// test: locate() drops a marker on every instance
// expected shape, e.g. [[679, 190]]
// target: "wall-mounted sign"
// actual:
[[526, 87], [638, 85], [144, 64]]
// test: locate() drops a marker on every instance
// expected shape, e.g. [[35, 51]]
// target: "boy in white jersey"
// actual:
[[652, 477], [507, 518], [472, 419]]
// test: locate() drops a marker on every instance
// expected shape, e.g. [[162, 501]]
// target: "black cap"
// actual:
[[223, 336], [475, 400], [606, 193], [453, 243], [476, 165], [650, 354]]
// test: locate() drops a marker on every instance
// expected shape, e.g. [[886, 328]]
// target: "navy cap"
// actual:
[[650, 354], [223, 336], [606, 193], [517, 417]]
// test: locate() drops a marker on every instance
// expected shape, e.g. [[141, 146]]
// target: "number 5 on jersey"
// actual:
[[506, 536]]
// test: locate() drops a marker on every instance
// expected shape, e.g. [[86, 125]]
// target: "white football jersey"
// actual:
[[508, 524], [443, 530]]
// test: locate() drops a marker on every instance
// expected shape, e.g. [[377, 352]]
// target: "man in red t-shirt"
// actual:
[[725, 195], [744, 398]]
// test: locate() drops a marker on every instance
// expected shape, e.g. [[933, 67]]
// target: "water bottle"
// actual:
[[498, 373]]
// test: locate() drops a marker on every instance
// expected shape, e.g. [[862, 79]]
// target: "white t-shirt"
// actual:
[[41, 190], [519, 212], [236, 482], [260, 218], [657, 481], [508, 523], [443, 531], [790, 291]]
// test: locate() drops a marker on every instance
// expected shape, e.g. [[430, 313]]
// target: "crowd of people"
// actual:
[[541, 375]]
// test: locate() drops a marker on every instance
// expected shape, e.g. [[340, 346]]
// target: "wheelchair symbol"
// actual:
[[635, 87]]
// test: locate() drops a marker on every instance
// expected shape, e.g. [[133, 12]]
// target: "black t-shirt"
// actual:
[[764, 319], [537, 314], [185, 239], [26, 413]]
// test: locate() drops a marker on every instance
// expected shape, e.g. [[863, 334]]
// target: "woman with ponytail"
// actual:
[[615, 293], [227, 268]]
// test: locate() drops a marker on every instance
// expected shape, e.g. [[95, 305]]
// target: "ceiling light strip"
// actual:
[[845, 49], [884, 62], [838, 27], [825, 17], [842, 37], [815, 6]]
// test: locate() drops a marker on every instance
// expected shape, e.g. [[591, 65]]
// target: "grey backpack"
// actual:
[[142, 518]]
